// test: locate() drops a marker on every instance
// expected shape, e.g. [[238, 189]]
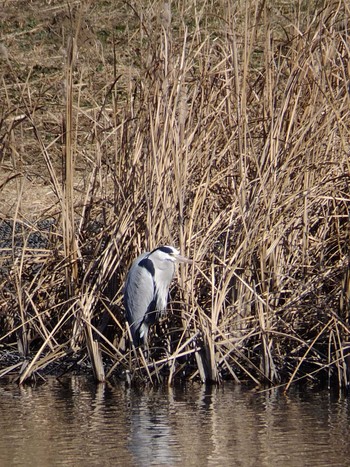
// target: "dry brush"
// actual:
[[222, 129]]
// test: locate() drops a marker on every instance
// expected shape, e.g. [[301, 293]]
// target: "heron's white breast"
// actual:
[[163, 278]]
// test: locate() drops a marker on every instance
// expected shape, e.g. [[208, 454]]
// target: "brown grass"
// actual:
[[222, 129]]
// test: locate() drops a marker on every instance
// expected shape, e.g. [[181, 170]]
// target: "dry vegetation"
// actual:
[[220, 127]]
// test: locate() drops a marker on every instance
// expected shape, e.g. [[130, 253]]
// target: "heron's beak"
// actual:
[[183, 259]]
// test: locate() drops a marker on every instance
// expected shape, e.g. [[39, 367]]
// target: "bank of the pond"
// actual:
[[221, 128]]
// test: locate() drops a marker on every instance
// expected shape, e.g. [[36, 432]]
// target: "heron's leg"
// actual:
[[145, 347], [144, 338]]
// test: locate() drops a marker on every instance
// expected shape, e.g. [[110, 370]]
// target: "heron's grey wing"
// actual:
[[139, 293]]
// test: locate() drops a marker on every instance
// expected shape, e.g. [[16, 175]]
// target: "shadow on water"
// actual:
[[76, 423]]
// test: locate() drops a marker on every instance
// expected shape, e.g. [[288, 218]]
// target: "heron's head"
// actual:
[[169, 253]]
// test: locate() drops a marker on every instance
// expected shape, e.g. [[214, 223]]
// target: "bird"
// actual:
[[147, 288]]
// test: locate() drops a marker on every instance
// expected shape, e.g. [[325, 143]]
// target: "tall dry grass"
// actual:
[[220, 128]]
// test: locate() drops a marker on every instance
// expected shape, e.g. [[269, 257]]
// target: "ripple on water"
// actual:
[[76, 423]]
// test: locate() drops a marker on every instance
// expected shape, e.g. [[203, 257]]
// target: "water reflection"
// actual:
[[74, 422], [152, 436]]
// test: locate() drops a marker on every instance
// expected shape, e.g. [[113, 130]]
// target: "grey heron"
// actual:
[[147, 287]]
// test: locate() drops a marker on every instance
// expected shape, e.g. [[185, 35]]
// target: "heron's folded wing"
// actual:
[[138, 294]]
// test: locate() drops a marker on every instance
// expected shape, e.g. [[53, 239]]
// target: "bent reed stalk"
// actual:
[[221, 129]]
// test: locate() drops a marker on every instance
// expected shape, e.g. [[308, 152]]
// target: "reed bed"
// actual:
[[219, 127]]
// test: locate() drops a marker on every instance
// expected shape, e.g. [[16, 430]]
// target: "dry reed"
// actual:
[[220, 128]]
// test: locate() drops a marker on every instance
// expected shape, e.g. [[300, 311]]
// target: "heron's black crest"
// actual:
[[166, 249], [148, 264]]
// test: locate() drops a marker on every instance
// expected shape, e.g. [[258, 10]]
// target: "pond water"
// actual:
[[74, 422]]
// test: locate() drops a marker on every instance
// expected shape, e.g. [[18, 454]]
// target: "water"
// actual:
[[77, 423]]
